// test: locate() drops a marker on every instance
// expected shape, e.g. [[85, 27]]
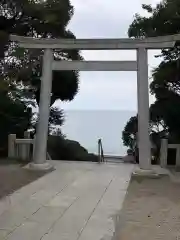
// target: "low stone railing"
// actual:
[[164, 152], [20, 148]]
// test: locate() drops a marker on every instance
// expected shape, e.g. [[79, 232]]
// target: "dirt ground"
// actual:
[[13, 177], [151, 210]]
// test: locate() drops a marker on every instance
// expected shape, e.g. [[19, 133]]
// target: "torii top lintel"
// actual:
[[98, 44]]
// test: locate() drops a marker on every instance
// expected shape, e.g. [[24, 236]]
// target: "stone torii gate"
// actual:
[[141, 66]]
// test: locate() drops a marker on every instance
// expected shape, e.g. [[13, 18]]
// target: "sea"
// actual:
[[87, 126]]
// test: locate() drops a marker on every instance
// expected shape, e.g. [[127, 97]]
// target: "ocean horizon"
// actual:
[[87, 126]]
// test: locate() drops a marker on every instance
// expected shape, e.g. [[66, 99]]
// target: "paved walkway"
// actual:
[[77, 201]]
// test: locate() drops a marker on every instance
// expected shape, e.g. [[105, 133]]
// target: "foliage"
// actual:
[[21, 69], [162, 20], [130, 137], [129, 134], [65, 149], [48, 19], [14, 118], [56, 118]]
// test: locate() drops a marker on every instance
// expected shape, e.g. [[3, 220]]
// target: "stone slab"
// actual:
[[76, 201]]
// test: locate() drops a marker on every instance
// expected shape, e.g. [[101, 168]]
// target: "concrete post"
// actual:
[[11, 146], [28, 146], [34, 146], [23, 151], [25, 148], [143, 110], [99, 150], [163, 153], [45, 97], [178, 156]]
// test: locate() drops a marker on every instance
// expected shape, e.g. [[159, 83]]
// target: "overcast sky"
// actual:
[[108, 19]]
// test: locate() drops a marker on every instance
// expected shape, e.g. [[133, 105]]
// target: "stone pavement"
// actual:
[[77, 201]]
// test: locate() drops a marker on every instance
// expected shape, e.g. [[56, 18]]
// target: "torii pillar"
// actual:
[[40, 151], [143, 110]]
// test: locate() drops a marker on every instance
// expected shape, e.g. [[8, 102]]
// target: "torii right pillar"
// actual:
[[143, 110]]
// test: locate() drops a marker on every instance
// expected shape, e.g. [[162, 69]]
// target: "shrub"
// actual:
[[60, 148]]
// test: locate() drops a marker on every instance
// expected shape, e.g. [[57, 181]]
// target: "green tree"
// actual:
[[42, 19], [15, 117], [157, 128], [20, 69], [129, 134], [162, 20]]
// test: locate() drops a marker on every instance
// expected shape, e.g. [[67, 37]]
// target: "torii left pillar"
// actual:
[[40, 151]]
